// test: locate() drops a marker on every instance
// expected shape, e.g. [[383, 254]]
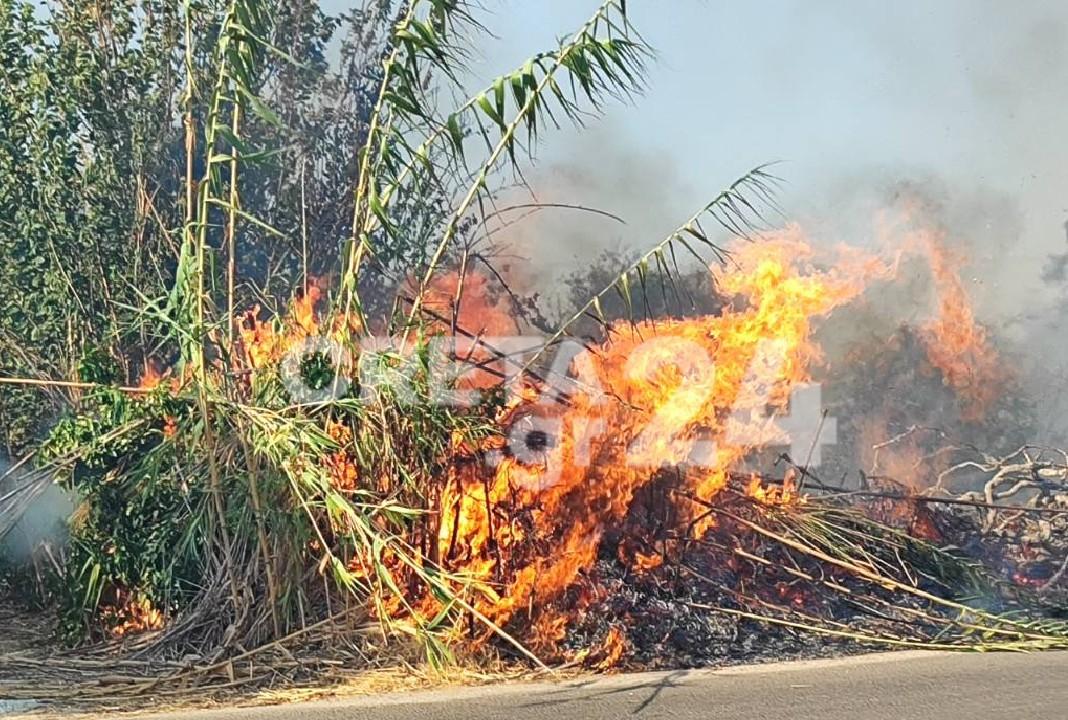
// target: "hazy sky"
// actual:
[[972, 88], [966, 97]]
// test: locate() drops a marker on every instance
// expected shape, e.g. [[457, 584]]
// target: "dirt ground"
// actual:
[[23, 630]]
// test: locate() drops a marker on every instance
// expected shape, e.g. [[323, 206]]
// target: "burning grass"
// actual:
[[330, 488], [623, 530]]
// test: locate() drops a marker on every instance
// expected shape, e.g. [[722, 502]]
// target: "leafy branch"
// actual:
[[605, 58], [739, 209]]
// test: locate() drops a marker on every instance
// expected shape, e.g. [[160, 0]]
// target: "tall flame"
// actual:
[[684, 394], [956, 344], [689, 400]]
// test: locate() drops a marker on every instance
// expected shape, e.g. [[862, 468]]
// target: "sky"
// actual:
[[962, 98], [961, 87]]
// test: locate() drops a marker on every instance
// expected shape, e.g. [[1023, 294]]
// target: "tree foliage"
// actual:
[[93, 165], [81, 148], [263, 494]]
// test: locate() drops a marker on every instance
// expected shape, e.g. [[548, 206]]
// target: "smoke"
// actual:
[[1015, 296], [976, 92], [42, 520], [1056, 272], [1047, 339], [1020, 297], [602, 169]]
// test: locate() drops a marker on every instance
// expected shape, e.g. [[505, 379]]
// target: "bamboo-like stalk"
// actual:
[[261, 537], [231, 233], [503, 145], [883, 640], [838, 588], [34, 382], [357, 249], [200, 333], [864, 572]]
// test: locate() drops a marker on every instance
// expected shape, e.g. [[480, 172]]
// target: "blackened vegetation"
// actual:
[[829, 575]]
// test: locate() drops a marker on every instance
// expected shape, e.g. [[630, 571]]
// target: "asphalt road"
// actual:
[[897, 686]]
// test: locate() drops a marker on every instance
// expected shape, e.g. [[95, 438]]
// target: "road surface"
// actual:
[[897, 686]]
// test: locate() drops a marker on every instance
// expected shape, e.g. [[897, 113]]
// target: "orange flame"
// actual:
[[266, 342], [956, 343], [694, 396], [482, 309], [690, 394], [612, 649], [151, 378], [483, 313], [341, 466], [136, 615], [787, 494]]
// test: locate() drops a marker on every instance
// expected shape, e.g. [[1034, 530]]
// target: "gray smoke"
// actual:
[[1056, 271], [602, 169], [32, 511]]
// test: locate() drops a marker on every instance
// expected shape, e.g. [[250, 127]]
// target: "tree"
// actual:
[[92, 174], [254, 491]]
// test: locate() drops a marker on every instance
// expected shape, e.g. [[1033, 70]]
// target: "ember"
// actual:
[[134, 615]]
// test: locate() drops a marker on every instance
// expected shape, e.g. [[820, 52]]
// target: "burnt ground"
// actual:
[[680, 614], [666, 629], [689, 611]]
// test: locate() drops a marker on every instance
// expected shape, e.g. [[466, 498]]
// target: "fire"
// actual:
[[951, 346], [685, 394], [482, 310], [341, 466], [481, 314], [694, 398], [151, 378], [136, 615], [786, 494], [170, 426], [903, 459], [302, 311], [956, 344], [613, 649], [266, 342], [647, 562], [690, 400]]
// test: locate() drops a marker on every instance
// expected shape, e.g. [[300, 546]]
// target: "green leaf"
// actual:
[[262, 111], [490, 111], [456, 133]]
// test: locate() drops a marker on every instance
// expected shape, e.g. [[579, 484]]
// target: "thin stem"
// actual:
[[502, 146], [71, 384], [360, 210], [231, 231]]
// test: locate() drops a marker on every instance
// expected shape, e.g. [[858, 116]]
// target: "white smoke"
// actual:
[[32, 511]]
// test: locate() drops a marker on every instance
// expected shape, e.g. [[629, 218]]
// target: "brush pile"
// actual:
[[784, 574], [818, 575], [307, 494], [553, 521]]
